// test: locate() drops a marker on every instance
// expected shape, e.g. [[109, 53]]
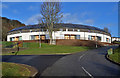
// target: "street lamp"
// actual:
[[39, 40], [96, 40]]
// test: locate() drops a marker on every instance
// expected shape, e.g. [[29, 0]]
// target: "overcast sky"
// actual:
[[98, 14]]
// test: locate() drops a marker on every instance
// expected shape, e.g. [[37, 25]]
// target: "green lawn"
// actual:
[[33, 49], [116, 56], [12, 69]]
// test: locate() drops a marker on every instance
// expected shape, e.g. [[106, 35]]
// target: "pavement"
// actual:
[[89, 63]]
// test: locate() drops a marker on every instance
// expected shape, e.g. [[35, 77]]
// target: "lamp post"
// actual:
[[96, 40], [39, 40]]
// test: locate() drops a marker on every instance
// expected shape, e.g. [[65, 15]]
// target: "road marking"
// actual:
[[87, 72], [81, 56]]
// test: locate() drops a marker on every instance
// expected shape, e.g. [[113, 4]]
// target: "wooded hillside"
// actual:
[[7, 25]]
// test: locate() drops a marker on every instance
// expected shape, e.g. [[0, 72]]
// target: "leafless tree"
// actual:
[[51, 15]]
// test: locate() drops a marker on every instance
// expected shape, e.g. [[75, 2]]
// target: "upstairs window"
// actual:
[[78, 30], [61, 29], [30, 30], [73, 30]]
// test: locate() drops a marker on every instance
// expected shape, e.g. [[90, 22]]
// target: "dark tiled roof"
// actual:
[[62, 25]]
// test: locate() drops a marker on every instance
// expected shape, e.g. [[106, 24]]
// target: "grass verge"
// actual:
[[51, 49], [116, 55], [13, 69]]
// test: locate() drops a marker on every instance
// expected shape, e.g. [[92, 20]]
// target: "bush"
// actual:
[[6, 44]]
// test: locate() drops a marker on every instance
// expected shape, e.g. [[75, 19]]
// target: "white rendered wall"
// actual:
[[59, 35], [115, 39]]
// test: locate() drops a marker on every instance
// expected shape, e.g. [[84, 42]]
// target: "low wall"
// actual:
[[72, 42], [43, 41], [81, 42]]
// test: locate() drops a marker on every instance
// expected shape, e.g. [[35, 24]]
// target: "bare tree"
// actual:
[[51, 15]]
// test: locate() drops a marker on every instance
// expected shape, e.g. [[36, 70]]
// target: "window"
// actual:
[[47, 30], [42, 30], [16, 38], [61, 29], [107, 39], [37, 37], [30, 30], [47, 36], [20, 38], [93, 38], [66, 29], [98, 38], [32, 37], [73, 30], [13, 38], [72, 37], [78, 30], [67, 36], [42, 37], [77, 36], [10, 39], [89, 37]]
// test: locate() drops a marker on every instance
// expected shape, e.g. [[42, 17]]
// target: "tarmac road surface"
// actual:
[[90, 63]]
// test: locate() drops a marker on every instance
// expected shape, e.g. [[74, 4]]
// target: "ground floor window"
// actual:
[[107, 39], [72, 36], [67, 36], [12, 38], [77, 36], [36, 37], [20, 38], [89, 37], [42, 37], [47, 36], [98, 38], [16, 38], [93, 37], [32, 37]]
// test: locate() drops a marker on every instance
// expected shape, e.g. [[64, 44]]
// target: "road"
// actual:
[[89, 63], [40, 62]]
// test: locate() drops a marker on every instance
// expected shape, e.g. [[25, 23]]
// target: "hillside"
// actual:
[[7, 25]]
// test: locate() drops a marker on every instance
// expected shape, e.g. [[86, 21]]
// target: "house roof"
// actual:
[[67, 25]]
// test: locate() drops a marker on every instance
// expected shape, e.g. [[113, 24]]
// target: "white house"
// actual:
[[63, 31], [115, 39]]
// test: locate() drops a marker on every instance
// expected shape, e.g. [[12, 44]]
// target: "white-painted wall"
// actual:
[[60, 35], [115, 39]]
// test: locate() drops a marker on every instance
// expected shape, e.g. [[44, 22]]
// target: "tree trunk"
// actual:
[[50, 41], [50, 34]]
